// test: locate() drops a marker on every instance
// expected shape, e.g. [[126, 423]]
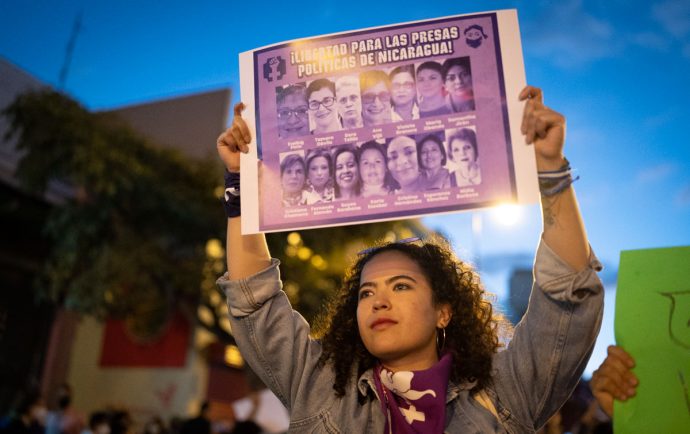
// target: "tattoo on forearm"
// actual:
[[549, 208]]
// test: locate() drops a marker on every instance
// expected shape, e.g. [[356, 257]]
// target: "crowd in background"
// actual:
[[30, 415]]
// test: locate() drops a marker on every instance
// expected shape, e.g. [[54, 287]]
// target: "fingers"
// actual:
[[234, 140], [621, 354], [237, 137], [238, 109], [532, 93], [537, 120], [614, 376], [242, 126]]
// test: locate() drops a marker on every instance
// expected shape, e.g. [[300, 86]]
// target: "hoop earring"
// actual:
[[442, 345]]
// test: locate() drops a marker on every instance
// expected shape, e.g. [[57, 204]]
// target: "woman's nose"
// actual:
[[381, 303]]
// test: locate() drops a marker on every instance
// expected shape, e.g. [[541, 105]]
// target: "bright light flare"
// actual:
[[507, 214]]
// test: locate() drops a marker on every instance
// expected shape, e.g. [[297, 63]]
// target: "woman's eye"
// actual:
[[364, 294], [401, 286]]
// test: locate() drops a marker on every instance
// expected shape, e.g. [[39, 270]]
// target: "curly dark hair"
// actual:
[[472, 335]]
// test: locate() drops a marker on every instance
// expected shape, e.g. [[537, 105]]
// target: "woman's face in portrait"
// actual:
[[462, 151], [346, 171], [319, 172], [376, 104], [322, 108], [402, 160], [403, 88], [293, 116], [431, 156], [293, 178], [459, 83], [372, 167], [396, 316], [429, 83], [349, 102]]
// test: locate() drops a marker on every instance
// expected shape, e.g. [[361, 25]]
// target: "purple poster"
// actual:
[[385, 123]]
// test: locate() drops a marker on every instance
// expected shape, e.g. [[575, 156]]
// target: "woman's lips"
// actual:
[[382, 324]]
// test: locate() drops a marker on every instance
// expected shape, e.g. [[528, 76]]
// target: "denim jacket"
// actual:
[[532, 376]]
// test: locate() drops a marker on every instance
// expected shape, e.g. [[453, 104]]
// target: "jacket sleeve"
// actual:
[[275, 342], [552, 343]]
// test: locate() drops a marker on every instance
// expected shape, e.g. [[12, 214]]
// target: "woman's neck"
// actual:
[[292, 198], [458, 103], [372, 189], [430, 173], [334, 125], [405, 111], [347, 193], [352, 123], [411, 362]]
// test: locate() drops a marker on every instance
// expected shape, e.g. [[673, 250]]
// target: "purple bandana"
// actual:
[[414, 401]]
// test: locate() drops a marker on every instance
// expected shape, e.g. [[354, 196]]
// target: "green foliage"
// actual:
[[132, 237]]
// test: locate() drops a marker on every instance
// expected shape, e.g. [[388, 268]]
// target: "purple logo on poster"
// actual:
[[474, 35], [274, 65]]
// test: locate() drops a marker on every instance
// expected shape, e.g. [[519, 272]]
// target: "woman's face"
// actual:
[[376, 106], [322, 108], [429, 83], [346, 172], [402, 160], [319, 173], [462, 151], [293, 116], [349, 102], [293, 178], [431, 157], [402, 86], [396, 316], [459, 83], [372, 167]]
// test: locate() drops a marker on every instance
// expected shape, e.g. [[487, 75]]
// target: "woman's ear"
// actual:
[[444, 315]]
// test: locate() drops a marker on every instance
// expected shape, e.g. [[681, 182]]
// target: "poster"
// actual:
[[385, 123], [653, 324]]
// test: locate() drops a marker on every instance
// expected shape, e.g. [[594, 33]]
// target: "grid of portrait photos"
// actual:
[[407, 161]]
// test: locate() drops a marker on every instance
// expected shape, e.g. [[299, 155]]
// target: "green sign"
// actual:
[[653, 325]]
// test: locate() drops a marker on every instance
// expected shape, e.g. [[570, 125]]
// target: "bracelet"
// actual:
[[553, 182], [552, 189], [231, 198]]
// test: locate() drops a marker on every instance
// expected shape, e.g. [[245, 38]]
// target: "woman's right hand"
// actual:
[[614, 379], [234, 140]]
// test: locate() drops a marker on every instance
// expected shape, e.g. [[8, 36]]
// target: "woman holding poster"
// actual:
[[412, 345]]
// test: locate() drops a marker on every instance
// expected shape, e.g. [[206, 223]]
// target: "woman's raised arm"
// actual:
[[564, 231], [246, 254]]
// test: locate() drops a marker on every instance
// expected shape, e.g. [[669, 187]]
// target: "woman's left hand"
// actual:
[[543, 127]]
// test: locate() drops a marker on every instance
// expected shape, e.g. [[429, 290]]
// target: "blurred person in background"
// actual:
[[65, 419], [28, 415]]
